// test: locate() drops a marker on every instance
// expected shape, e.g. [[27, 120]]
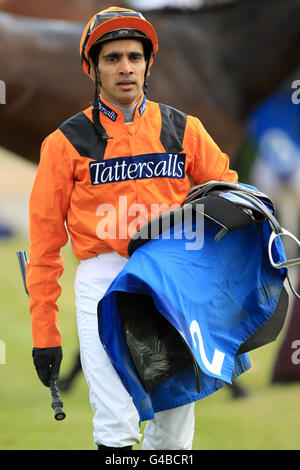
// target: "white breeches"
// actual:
[[116, 420]]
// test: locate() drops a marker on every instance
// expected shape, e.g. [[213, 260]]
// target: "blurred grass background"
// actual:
[[268, 419]]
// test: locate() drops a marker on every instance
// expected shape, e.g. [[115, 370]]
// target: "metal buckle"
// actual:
[[286, 263]]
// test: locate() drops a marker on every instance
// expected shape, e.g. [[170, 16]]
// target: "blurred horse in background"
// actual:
[[217, 63], [69, 10]]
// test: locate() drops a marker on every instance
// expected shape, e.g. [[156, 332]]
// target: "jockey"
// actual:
[[102, 174]]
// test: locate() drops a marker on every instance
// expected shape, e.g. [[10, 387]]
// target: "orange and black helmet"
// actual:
[[115, 23]]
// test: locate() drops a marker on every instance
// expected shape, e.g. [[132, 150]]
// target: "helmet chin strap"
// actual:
[[96, 112], [145, 86]]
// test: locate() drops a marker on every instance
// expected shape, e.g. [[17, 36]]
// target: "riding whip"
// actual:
[[56, 404]]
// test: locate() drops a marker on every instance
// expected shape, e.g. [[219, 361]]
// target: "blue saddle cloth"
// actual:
[[216, 297]]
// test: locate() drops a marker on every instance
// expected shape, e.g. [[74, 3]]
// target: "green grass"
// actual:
[[268, 419]]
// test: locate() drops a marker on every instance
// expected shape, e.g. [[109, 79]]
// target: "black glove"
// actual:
[[47, 363]]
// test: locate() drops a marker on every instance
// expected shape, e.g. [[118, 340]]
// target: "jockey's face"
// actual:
[[121, 67]]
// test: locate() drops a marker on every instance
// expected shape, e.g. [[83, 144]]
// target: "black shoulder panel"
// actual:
[[173, 124], [81, 132]]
